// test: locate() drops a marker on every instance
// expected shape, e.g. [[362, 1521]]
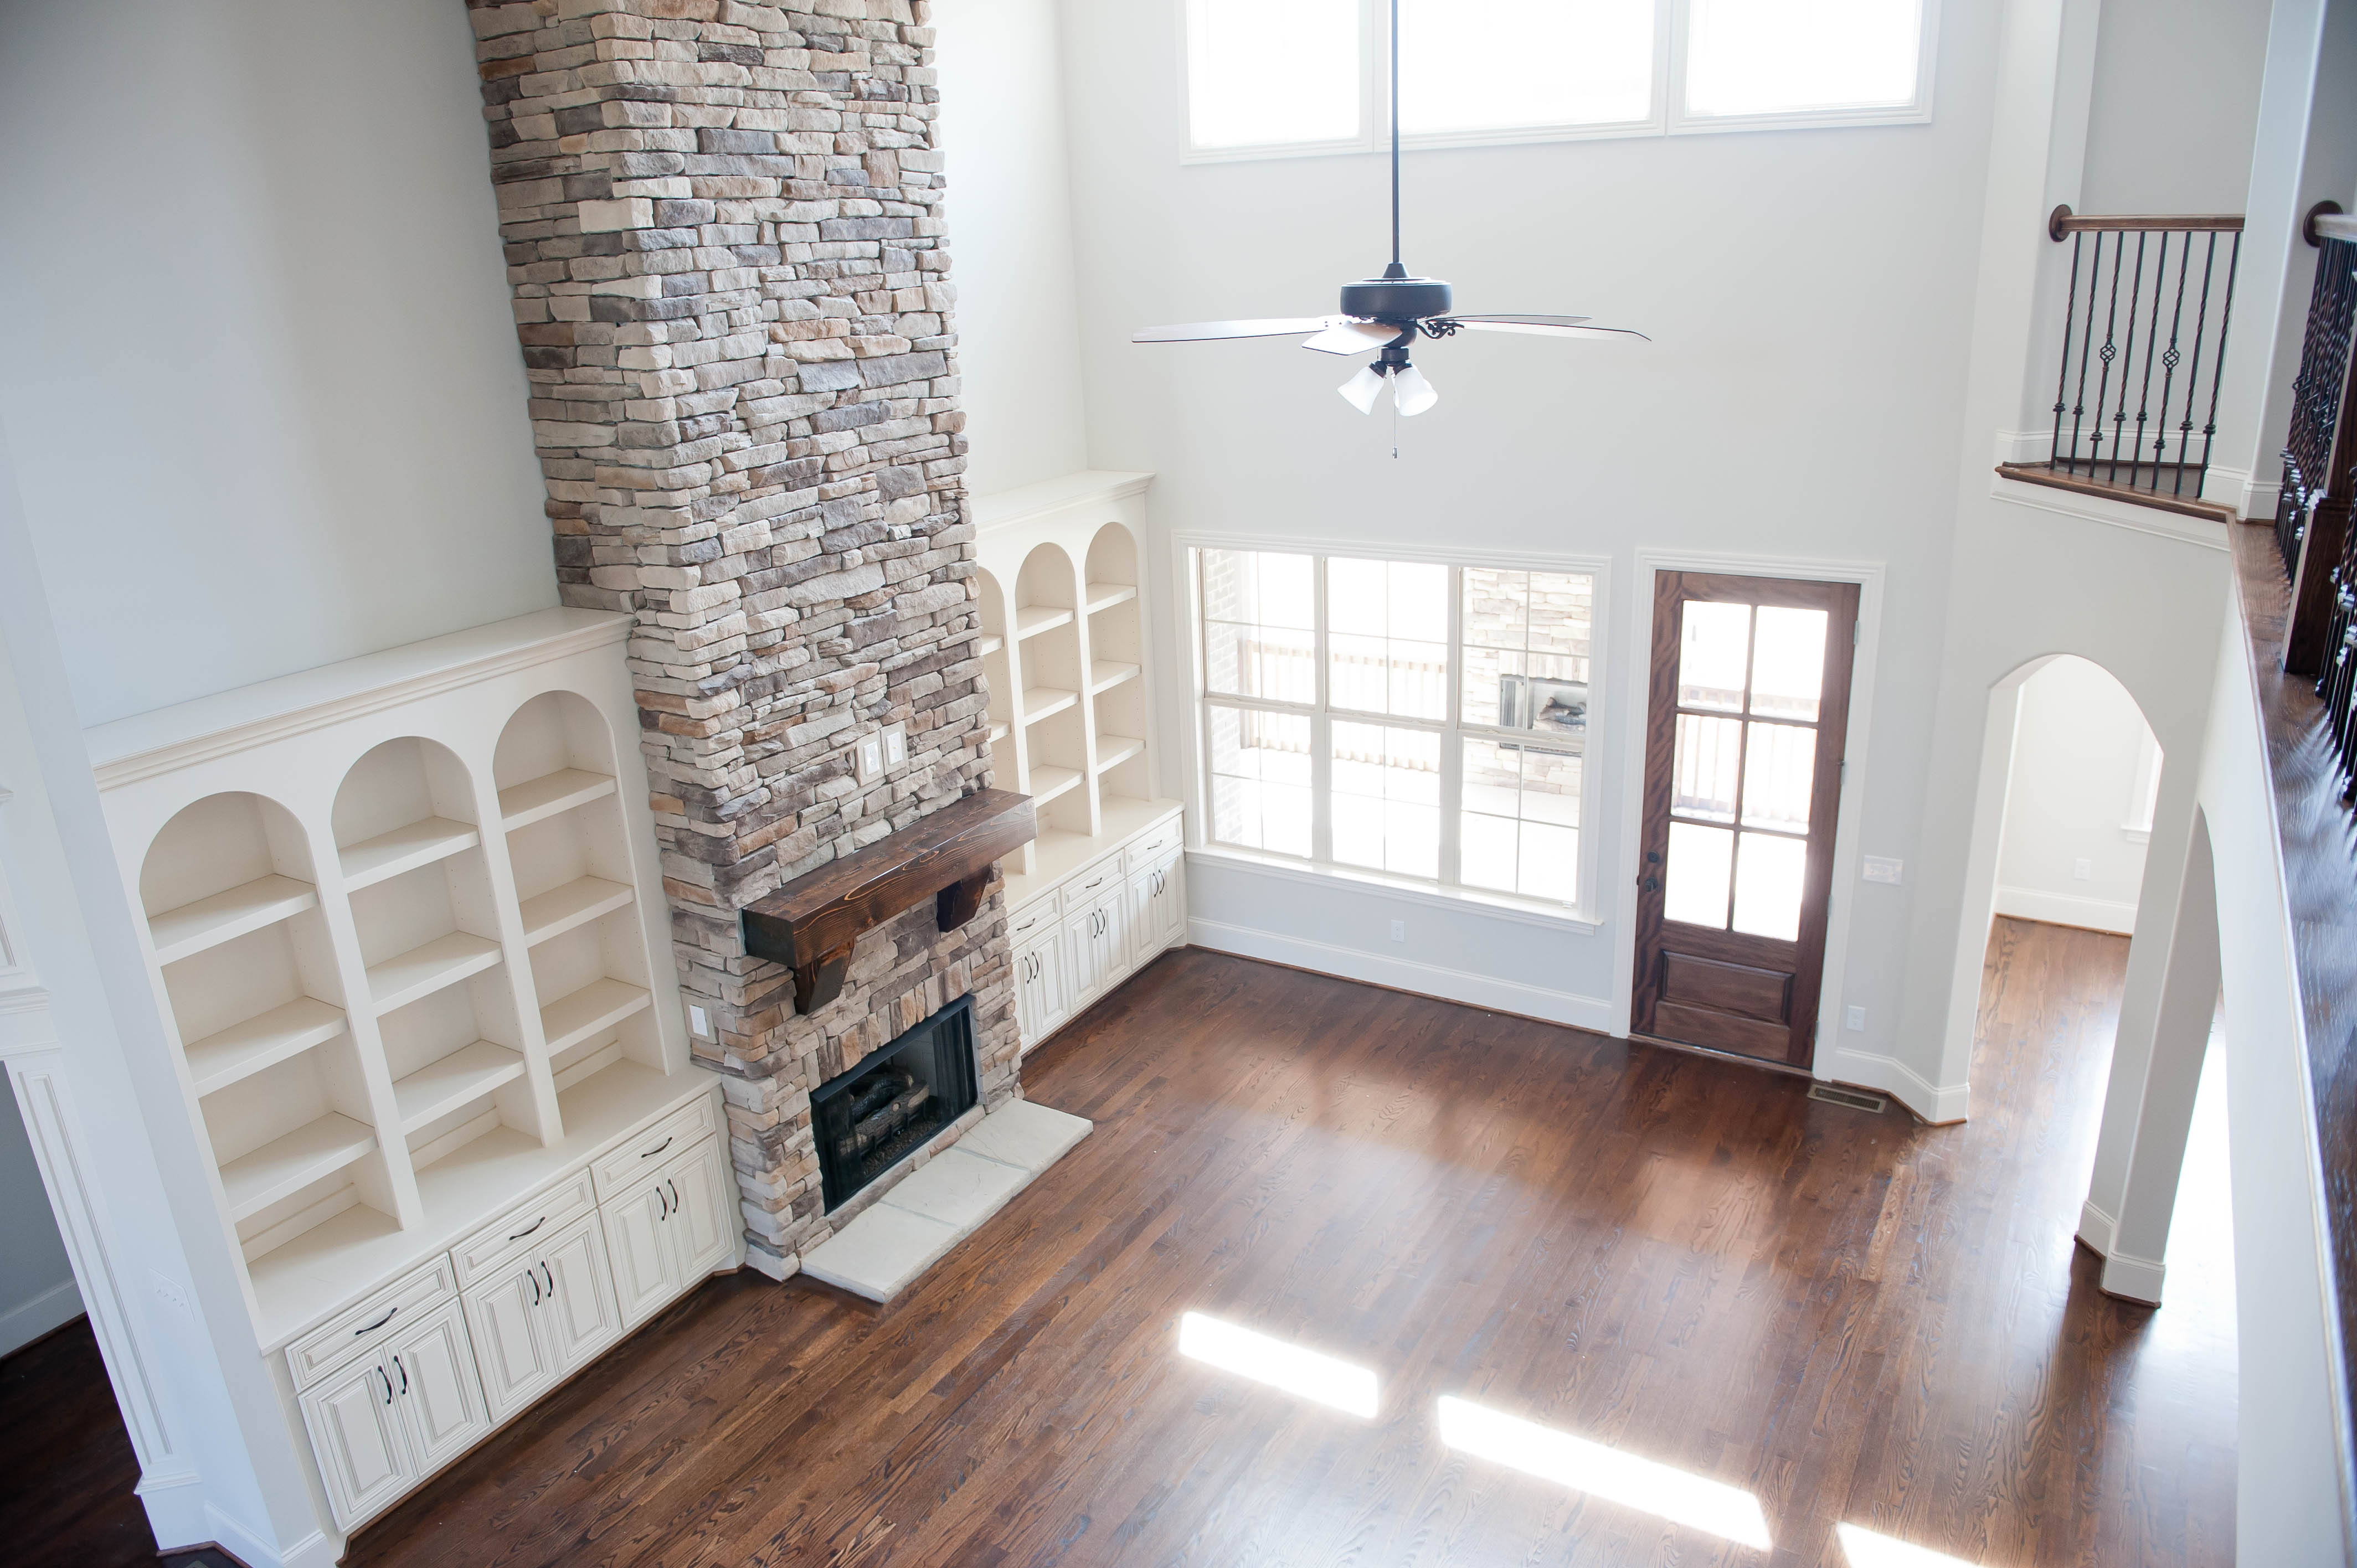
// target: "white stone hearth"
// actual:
[[911, 1227]]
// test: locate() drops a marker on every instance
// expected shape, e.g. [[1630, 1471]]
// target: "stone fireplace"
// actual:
[[724, 231]]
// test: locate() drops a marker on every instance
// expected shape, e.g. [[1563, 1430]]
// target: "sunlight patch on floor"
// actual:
[[1865, 1549], [1307, 1373]]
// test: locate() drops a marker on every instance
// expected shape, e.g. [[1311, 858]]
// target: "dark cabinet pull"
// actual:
[[388, 1385], [674, 1193], [535, 1286], [405, 1377], [659, 1148], [663, 1202], [378, 1324], [552, 1281], [529, 1229]]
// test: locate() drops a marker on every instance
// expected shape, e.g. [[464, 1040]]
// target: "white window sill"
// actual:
[[1537, 912], [1528, 135]]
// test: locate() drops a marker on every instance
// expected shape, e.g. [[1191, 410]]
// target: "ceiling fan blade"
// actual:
[[1529, 320], [1546, 330], [1348, 337], [1204, 331]]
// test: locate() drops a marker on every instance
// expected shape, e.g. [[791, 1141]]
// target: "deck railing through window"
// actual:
[[2144, 339]]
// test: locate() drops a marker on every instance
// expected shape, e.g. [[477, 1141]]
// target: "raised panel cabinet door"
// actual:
[[702, 1219], [436, 1390], [357, 1436], [1170, 902], [1084, 975], [1158, 905], [1114, 956], [503, 1325], [1040, 987], [639, 1245], [579, 1317]]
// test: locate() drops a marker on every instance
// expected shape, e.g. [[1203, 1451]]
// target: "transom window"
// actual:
[[1274, 77], [1409, 718]]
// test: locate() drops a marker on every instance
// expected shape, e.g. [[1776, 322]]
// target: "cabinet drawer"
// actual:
[[528, 1225], [1091, 882], [642, 1155], [1035, 917], [1153, 847], [374, 1321]]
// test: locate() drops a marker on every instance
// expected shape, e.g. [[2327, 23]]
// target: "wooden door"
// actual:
[[579, 1316], [641, 1255], [441, 1396], [1748, 708], [702, 1219], [356, 1434], [502, 1320]]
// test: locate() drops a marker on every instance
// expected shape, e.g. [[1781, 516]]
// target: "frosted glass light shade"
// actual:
[[1362, 390], [1415, 394]]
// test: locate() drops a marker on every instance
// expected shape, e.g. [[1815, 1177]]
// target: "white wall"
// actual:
[[256, 360], [2080, 752], [36, 1287], [2175, 105], [1808, 296], [1011, 232]]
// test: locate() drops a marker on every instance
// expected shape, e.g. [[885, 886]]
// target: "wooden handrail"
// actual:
[[2062, 220], [2325, 221]]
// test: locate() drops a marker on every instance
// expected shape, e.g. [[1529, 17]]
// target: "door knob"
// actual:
[[1652, 884]]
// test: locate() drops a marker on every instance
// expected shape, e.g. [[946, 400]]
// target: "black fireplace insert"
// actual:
[[867, 1120]]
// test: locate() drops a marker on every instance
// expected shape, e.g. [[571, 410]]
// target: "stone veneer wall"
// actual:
[[724, 234]]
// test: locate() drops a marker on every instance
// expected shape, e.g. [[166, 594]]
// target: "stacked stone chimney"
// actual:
[[723, 232]]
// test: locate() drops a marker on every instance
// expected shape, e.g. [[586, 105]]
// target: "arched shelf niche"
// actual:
[[1117, 662]]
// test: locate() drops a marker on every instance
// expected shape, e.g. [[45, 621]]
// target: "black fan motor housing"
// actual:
[[1401, 299]]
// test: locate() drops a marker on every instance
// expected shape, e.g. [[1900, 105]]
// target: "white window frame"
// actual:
[[1669, 117], [1575, 914]]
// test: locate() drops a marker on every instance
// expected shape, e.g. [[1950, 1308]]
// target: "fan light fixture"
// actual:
[[1387, 314]]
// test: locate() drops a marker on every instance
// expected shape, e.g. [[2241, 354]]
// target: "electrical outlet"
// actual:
[[1881, 868], [699, 1022], [1399, 930], [2082, 869], [169, 1292], [1856, 1022], [896, 745]]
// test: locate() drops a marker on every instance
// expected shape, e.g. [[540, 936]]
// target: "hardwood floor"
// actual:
[[1852, 1317]]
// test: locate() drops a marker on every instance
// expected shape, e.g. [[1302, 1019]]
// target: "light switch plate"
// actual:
[[1880, 869], [2083, 869], [699, 1022], [896, 745], [1856, 1022], [868, 758]]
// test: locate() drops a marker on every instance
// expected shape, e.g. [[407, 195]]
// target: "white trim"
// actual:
[[2137, 1279], [147, 746], [2066, 909], [1560, 919], [29, 1320], [1085, 488], [2096, 1228], [1566, 1007], [1868, 576], [313, 1551], [1934, 1103], [2204, 531]]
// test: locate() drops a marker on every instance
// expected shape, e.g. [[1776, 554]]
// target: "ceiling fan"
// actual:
[[1387, 313]]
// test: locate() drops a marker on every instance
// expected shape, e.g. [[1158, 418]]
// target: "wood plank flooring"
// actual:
[[1852, 1317]]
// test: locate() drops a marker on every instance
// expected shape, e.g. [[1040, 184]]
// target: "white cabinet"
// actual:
[[1157, 907], [542, 1316], [1040, 993], [1096, 942], [386, 1421], [667, 1233]]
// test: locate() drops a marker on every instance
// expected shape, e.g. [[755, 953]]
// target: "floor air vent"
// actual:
[[1856, 1100]]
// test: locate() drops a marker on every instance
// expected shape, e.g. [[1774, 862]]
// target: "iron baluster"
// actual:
[[2170, 362], [2063, 376], [2218, 368], [2127, 367]]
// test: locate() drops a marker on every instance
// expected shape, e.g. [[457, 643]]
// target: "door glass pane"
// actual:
[[1711, 648], [1778, 767], [1700, 862], [1258, 614], [1788, 663], [1386, 798], [1703, 772], [1260, 780], [1388, 637], [1768, 885]]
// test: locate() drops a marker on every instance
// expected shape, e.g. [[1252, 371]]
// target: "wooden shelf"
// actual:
[[209, 922], [1041, 702], [1033, 619], [1111, 675], [422, 971], [579, 901], [600, 1005], [1113, 751], [285, 1165], [466, 1074], [1104, 595], [243, 1049], [535, 800], [1047, 783], [404, 849]]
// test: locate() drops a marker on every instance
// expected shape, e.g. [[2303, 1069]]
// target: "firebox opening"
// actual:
[[867, 1120]]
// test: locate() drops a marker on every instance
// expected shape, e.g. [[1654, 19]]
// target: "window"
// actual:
[[1409, 719], [1277, 77]]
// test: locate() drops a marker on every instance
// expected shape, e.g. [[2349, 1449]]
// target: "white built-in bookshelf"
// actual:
[[407, 931]]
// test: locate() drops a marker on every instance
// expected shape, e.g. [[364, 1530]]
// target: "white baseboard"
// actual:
[[28, 1321], [1402, 974], [175, 1502], [2096, 1228], [2137, 1279], [2066, 909], [1895, 1077]]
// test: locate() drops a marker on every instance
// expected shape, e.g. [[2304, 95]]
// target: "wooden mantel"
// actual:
[[811, 922]]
